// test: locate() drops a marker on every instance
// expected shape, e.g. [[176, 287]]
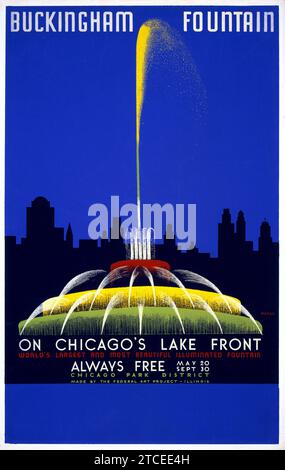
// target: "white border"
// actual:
[[191, 3]]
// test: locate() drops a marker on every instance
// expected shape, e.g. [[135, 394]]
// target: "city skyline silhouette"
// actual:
[[50, 250]]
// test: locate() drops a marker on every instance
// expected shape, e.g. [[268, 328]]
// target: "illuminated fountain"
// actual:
[[151, 300]]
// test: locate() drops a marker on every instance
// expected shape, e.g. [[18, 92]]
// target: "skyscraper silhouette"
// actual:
[[240, 228], [226, 235], [265, 239], [40, 224], [69, 237]]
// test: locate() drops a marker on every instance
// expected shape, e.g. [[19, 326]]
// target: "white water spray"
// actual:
[[74, 306], [76, 281], [170, 302], [134, 275], [33, 315], [112, 303], [197, 279], [165, 274], [114, 275], [151, 281]]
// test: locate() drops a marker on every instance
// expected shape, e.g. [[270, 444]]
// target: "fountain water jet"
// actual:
[[33, 315], [151, 281], [208, 309], [165, 274], [133, 277], [197, 279], [76, 281], [112, 303], [248, 315], [114, 275], [170, 302], [74, 307], [140, 310]]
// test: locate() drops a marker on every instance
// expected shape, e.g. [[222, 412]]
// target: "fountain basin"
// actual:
[[150, 264], [156, 321], [142, 292]]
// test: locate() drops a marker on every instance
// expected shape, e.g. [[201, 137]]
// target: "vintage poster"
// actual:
[[142, 150]]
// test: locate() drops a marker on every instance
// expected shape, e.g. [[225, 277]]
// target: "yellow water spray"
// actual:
[[142, 51]]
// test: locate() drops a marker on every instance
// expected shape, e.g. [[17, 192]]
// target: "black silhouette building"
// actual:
[[240, 228], [69, 237], [226, 235], [265, 243], [41, 228]]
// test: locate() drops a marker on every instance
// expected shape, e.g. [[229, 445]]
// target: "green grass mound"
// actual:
[[125, 321]]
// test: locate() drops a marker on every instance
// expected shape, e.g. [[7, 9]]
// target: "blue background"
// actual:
[[70, 136], [169, 414], [70, 126]]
